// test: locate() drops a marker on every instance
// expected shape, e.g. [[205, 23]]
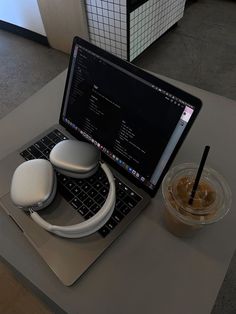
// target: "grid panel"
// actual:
[[150, 21], [107, 24]]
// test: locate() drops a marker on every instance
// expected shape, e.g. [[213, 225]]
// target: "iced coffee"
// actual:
[[211, 201]]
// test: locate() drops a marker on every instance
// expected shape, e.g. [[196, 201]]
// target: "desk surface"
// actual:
[[147, 269]]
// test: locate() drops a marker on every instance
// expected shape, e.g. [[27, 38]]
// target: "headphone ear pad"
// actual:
[[33, 185], [75, 159]]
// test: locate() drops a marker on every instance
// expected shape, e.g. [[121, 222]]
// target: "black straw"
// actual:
[[199, 173]]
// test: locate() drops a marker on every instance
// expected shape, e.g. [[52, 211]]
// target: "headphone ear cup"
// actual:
[[33, 185], [75, 159]]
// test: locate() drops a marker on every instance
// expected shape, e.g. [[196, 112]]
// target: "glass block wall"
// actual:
[[107, 23], [150, 20], [127, 27]]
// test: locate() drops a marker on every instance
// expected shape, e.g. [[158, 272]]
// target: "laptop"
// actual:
[[136, 120]]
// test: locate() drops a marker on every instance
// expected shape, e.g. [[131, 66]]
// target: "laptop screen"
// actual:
[[136, 120]]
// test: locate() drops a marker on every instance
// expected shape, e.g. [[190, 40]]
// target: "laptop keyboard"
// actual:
[[86, 196]]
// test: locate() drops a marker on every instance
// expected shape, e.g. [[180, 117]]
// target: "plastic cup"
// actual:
[[211, 203]]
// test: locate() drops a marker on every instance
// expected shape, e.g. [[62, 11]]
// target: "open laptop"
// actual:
[[136, 120]]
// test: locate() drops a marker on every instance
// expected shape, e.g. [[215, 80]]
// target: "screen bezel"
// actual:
[[194, 101]]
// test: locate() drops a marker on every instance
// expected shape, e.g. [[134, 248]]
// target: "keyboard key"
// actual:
[[79, 182], [95, 208], [99, 199], [92, 179], [30, 157], [135, 196], [126, 188], [34, 151], [119, 183], [47, 152], [125, 209], [46, 141], [83, 210], [60, 135], [63, 179], [130, 202], [100, 177], [119, 204], [52, 136], [98, 185], [104, 231], [51, 146], [98, 173], [57, 140], [123, 190], [40, 146], [106, 183], [76, 190], [82, 196], [65, 192], [111, 223], [76, 203], [88, 215], [92, 193], [104, 191], [25, 154], [70, 185], [89, 202], [86, 187], [121, 193], [117, 216]]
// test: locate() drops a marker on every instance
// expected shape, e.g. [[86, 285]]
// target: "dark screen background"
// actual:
[[125, 115]]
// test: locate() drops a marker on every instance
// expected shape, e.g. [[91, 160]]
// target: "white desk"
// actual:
[[147, 270]]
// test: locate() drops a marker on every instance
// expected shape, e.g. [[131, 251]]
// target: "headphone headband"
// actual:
[[33, 185]]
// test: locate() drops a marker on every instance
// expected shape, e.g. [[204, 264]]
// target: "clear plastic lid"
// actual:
[[212, 199]]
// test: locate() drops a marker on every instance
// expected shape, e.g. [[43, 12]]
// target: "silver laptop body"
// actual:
[[70, 258]]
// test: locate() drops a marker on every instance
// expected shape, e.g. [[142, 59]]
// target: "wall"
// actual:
[[23, 13], [63, 19], [150, 20], [107, 21]]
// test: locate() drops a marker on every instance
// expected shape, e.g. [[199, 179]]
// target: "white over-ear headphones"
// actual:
[[34, 185]]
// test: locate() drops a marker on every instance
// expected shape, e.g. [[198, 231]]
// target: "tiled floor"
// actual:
[[25, 67], [200, 51]]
